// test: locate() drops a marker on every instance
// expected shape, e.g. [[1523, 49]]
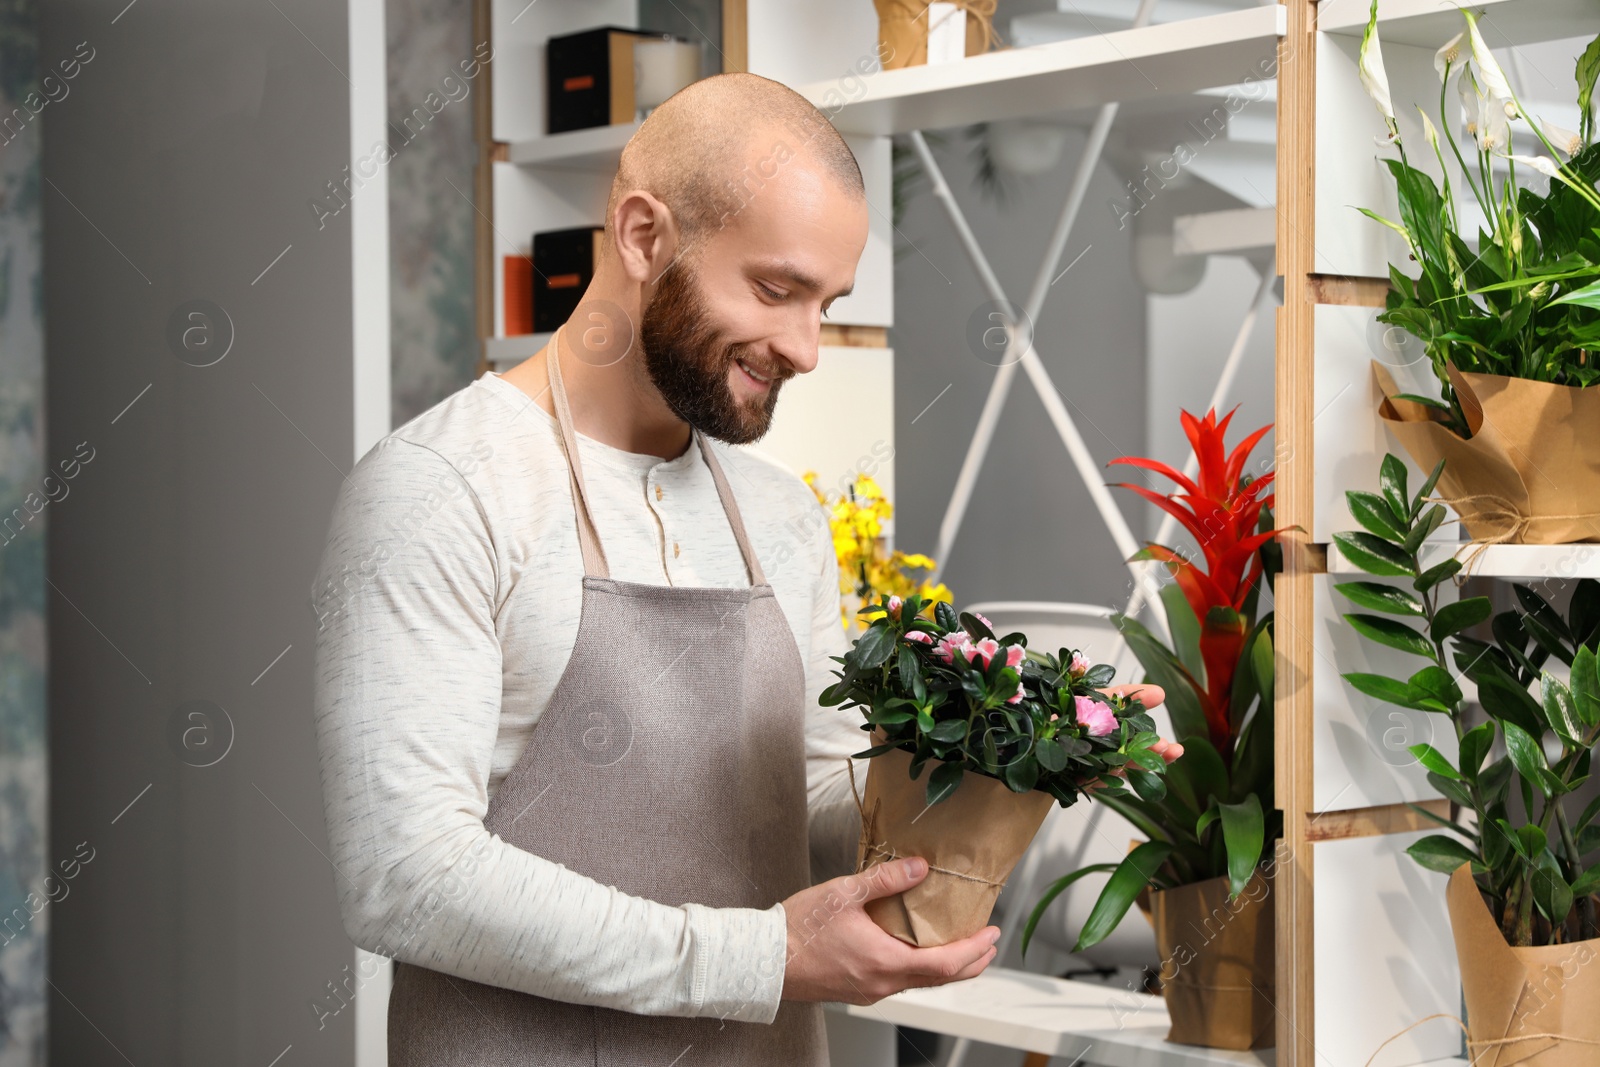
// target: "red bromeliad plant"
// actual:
[[1216, 816], [1222, 510]]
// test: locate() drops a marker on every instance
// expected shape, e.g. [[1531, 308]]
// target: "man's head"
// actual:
[[739, 214]]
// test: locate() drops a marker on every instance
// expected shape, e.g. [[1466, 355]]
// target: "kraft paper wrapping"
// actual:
[[1217, 970], [971, 840], [1531, 1007], [903, 30], [1530, 473]]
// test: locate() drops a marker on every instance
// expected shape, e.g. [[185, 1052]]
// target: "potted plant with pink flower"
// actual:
[[1001, 731]]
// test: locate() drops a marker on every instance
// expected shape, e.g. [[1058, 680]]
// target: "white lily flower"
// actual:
[[1494, 128], [1373, 77], [1565, 140], [1471, 103], [1448, 58], [1543, 164], [1428, 130], [1489, 72]]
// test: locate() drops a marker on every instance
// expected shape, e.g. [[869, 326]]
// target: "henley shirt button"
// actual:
[[674, 550], [658, 492]]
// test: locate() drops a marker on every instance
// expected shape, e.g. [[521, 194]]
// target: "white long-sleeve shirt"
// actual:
[[448, 601]]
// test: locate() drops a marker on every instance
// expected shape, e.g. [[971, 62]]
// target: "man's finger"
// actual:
[[1149, 695], [895, 876], [944, 962]]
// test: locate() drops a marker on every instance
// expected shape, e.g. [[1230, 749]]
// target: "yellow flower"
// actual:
[[866, 571]]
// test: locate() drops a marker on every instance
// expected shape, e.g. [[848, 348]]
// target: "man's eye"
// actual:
[[768, 292]]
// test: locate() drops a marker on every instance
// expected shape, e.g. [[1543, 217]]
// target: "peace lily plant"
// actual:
[[1526, 302]]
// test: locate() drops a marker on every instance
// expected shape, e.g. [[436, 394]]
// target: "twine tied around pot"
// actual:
[[1506, 517], [870, 846], [1476, 1048]]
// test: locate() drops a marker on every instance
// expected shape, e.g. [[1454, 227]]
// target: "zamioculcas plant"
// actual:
[[1216, 816], [1534, 855]]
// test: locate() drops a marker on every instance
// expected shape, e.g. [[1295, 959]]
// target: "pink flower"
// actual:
[[953, 642], [1079, 666], [1094, 716], [1017, 699], [919, 636], [1014, 655], [894, 607], [984, 651], [1167, 750], [981, 617]]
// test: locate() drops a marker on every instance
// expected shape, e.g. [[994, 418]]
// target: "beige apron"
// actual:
[[670, 763]]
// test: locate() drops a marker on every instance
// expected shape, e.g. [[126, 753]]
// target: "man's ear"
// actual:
[[646, 236]]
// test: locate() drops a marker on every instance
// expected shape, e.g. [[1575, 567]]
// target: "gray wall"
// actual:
[[180, 166], [1031, 532]]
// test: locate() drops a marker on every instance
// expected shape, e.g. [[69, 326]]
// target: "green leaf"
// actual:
[[1184, 628], [1375, 555], [1586, 686], [1584, 73], [1440, 853], [1430, 521], [1588, 297], [1199, 773], [943, 781], [1453, 618], [946, 617], [1021, 775], [1375, 514], [1392, 479], [1164, 669], [1391, 633], [1202, 824], [874, 647], [949, 731], [1560, 710], [910, 670], [1435, 683], [1243, 832], [1435, 574], [1504, 699], [1588, 882], [1525, 752], [1125, 883], [1151, 787], [1433, 480], [1055, 889], [1552, 893], [1475, 745], [1435, 761], [1380, 597], [1052, 757], [1388, 689]]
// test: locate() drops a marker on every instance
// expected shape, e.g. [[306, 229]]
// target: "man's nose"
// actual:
[[797, 346]]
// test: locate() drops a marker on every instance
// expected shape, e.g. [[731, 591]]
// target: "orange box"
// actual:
[[519, 295]]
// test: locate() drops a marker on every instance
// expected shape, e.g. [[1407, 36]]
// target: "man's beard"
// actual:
[[689, 364]]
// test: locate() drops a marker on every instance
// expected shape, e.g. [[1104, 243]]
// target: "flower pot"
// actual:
[[1530, 472], [1533, 1007], [903, 30], [1217, 963], [971, 840]]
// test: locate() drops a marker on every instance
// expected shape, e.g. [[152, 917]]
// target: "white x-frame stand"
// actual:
[[1020, 351]]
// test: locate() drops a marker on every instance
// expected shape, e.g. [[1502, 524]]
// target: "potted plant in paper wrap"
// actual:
[[1212, 830], [1521, 849], [1511, 327], [974, 737]]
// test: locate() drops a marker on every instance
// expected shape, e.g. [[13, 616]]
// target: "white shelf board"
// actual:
[[597, 148], [1163, 60], [1535, 562], [1084, 1023], [1430, 23], [1234, 231]]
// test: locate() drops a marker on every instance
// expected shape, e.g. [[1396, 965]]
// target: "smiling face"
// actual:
[[740, 311]]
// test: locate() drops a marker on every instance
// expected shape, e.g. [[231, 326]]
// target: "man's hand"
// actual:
[[837, 953]]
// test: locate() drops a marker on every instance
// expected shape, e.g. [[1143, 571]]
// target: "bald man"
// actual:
[[570, 644]]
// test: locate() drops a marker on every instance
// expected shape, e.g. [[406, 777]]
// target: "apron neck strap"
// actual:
[[594, 557]]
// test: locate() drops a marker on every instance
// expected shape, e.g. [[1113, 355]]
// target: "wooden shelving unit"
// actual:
[[1364, 945]]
